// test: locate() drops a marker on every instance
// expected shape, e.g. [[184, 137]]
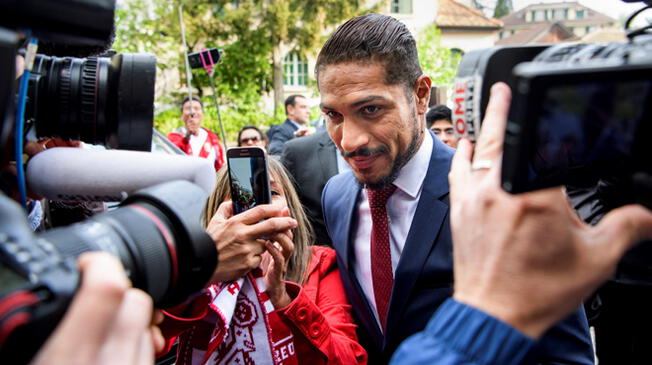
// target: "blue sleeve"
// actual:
[[460, 334]]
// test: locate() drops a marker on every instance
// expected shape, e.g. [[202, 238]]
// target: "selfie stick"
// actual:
[[185, 52], [208, 66]]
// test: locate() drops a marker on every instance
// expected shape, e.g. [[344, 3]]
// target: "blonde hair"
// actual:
[[303, 234]]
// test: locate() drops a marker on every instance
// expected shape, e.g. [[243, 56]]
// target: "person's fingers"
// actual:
[[93, 310], [224, 211], [271, 226], [461, 167], [255, 261], [620, 229], [287, 246], [158, 340], [490, 141], [147, 350], [20, 66], [157, 317], [260, 212], [130, 331], [276, 254]]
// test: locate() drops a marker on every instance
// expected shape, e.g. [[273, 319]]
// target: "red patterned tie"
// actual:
[[381, 256]]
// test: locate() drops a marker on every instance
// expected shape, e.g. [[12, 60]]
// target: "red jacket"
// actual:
[[319, 318], [212, 141]]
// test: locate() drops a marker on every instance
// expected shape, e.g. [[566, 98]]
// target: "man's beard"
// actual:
[[399, 162]]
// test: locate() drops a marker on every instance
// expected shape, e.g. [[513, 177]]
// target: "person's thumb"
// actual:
[[621, 229]]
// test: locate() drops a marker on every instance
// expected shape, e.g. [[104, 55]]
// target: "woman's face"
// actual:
[[251, 137], [278, 194]]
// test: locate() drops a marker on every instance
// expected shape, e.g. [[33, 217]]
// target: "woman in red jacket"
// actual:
[[309, 320]]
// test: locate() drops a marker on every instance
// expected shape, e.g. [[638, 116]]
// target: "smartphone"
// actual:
[[213, 54], [249, 178]]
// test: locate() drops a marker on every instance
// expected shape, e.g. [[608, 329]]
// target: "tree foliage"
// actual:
[[437, 61], [252, 34], [503, 7]]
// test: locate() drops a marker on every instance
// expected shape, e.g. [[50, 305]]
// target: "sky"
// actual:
[[612, 8]]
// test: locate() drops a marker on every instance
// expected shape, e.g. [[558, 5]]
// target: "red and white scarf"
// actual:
[[241, 324]]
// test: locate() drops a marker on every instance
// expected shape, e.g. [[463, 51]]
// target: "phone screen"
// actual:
[[249, 180]]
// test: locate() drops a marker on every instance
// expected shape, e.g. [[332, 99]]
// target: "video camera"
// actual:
[[156, 232], [579, 112]]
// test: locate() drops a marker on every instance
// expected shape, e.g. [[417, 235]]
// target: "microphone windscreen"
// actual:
[[75, 174]]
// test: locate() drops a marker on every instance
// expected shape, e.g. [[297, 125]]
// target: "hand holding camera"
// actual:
[[535, 237], [108, 322]]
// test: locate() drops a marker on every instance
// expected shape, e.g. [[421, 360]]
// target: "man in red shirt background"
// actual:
[[195, 140]]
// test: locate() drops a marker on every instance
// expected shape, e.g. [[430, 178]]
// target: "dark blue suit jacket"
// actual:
[[279, 134], [424, 276]]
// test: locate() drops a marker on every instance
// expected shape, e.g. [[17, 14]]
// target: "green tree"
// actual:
[[437, 61], [252, 34], [503, 7]]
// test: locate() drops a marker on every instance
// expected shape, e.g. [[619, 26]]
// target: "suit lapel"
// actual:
[[327, 159], [342, 238], [428, 219]]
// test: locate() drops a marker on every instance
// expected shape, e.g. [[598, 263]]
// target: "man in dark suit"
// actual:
[[311, 161], [298, 115], [388, 218]]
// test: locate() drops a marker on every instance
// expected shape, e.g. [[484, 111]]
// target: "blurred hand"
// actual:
[[238, 238], [304, 131], [527, 259], [107, 322]]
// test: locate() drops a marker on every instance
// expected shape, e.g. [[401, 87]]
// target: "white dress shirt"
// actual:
[[197, 141], [401, 207]]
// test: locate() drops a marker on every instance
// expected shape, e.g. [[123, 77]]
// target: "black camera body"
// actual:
[[578, 111], [156, 232]]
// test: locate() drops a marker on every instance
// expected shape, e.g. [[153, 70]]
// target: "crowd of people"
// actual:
[[388, 240]]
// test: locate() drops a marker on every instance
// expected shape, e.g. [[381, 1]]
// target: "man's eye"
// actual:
[[332, 116], [370, 109]]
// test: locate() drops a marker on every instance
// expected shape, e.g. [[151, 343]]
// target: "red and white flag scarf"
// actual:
[[240, 318]]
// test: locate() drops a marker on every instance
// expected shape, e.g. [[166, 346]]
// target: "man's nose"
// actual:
[[353, 136]]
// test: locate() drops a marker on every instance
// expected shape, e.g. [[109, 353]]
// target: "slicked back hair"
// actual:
[[291, 100], [374, 38]]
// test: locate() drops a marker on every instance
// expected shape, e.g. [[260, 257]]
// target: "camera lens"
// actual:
[[157, 235], [99, 100]]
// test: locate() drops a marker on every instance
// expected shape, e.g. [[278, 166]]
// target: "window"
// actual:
[[539, 15], [579, 14], [295, 70], [402, 6]]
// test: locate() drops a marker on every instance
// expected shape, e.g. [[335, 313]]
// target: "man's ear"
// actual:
[[422, 91]]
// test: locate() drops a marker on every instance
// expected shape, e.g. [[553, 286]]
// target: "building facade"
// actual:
[[553, 22]]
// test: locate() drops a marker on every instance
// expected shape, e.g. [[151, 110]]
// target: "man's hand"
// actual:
[[107, 322], [304, 131], [527, 259], [238, 238]]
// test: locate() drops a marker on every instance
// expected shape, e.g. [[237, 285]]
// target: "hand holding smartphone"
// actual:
[[249, 178]]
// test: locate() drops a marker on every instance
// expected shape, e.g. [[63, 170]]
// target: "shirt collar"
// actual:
[[297, 125], [410, 179]]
